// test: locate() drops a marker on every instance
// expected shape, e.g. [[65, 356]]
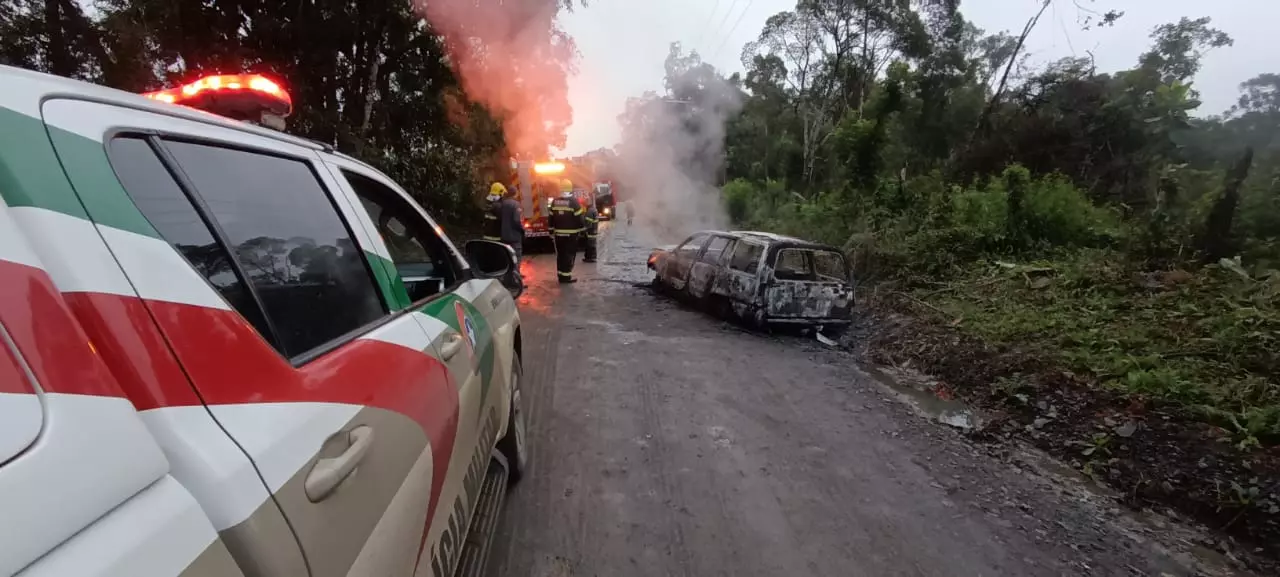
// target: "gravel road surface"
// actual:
[[665, 442]]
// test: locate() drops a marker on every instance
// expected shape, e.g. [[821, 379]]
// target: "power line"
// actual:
[[725, 19], [735, 27], [707, 25]]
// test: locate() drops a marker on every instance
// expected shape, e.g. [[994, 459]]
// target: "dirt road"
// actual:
[[665, 442]]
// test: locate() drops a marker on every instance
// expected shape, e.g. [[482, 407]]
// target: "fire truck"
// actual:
[[537, 183]]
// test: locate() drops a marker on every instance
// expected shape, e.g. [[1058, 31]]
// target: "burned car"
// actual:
[[764, 279]]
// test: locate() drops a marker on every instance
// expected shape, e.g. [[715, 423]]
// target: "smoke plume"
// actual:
[[511, 57], [672, 149]]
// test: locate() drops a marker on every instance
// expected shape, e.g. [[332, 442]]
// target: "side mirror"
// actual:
[[497, 261]]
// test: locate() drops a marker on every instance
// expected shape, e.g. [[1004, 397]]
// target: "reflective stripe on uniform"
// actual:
[[579, 211], [591, 236], [555, 208], [567, 232], [564, 274], [492, 238], [490, 216]]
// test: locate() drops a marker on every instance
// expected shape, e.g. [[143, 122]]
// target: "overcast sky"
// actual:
[[624, 42]]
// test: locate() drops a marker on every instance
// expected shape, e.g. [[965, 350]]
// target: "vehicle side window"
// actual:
[[425, 264], [715, 249], [792, 264], [289, 239], [746, 257], [830, 266], [155, 192], [690, 247]]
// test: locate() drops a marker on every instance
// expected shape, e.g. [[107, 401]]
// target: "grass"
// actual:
[[1207, 341]]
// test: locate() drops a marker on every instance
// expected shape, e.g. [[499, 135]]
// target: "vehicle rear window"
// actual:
[[830, 266], [158, 196], [298, 254], [792, 264], [746, 257]]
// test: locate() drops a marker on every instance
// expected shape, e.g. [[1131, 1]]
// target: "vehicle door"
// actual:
[[433, 284], [798, 291], [247, 263], [682, 259], [741, 277], [707, 266], [85, 488]]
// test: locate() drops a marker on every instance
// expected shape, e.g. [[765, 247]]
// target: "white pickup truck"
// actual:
[[228, 351]]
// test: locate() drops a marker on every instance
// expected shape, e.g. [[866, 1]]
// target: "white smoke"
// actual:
[[671, 155]]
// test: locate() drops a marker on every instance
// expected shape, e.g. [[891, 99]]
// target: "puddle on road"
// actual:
[[922, 395]]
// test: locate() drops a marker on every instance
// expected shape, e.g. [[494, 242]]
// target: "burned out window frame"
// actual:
[[706, 249], [844, 266], [699, 237], [806, 254], [748, 245]]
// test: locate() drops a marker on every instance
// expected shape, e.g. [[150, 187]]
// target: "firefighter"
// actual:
[[566, 223], [492, 222], [631, 213], [593, 227], [510, 222]]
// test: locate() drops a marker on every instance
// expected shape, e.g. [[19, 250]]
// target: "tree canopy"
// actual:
[[436, 94]]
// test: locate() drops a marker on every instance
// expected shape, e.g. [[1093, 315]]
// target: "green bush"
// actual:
[[1059, 214], [737, 196]]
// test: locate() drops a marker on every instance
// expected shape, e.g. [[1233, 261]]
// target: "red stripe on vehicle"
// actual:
[[134, 349], [61, 356], [357, 373]]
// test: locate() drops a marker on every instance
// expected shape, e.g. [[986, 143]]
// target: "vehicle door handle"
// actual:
[[327, 474], [451, 347]]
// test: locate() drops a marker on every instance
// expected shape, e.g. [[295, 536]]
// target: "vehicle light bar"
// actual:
[[230, 94]]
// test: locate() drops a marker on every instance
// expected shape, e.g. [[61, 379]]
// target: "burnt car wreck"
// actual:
[[760, 278]]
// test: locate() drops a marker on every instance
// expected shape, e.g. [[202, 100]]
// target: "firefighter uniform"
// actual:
[[566, 223], [593, 228], [492, 220]]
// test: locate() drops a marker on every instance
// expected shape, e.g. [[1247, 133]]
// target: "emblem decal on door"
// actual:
[[466, 325]]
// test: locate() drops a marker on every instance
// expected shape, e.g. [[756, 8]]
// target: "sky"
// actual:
[[623, 44]]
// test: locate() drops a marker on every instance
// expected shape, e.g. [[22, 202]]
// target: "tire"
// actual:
[[515, 444]]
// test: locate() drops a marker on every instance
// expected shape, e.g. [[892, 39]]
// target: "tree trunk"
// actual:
[[985, 117], [1217, 242]]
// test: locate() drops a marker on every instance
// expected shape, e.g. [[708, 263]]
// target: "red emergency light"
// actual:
[[240, 96]]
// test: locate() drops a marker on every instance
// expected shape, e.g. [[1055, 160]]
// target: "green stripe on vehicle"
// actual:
[[384, 271], [30, 174], [90, 173]]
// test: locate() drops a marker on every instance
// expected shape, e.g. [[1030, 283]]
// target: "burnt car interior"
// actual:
[[797, 264], [793, 264]]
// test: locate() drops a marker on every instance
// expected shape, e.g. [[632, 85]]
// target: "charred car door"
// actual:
[[808, 284], [681, 260], [705, 269], [740, 278]]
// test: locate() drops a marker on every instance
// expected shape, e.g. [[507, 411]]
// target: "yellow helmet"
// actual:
[[566, 185], [497, 189]]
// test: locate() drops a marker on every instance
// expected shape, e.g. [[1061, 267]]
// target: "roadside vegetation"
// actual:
[[1024, 233]]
